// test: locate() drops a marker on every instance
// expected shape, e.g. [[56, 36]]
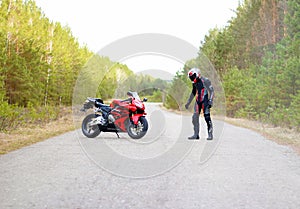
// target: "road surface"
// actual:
[[240, 169]]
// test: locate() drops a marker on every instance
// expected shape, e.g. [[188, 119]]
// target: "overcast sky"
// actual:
[[98, 23]]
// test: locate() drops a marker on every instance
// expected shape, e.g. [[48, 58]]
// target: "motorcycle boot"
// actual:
[[210, 132], [194, 137]]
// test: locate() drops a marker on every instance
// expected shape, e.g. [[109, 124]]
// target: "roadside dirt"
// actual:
[[283, 136], [33, 133]]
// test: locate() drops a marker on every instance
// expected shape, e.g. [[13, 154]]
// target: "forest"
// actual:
[[40, 62], [257, 57]]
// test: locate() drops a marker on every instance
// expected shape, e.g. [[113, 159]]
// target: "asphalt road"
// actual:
[[238, 169]]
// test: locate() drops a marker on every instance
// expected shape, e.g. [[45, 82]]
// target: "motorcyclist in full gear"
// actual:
[[204, 92]]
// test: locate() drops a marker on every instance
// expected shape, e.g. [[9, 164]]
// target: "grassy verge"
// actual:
[[32, 133]]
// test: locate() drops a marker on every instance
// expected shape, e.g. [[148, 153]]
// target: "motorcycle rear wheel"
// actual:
[[139, 130], [90, 131]]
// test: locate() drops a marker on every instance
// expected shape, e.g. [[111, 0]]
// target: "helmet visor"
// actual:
[[192, 76]]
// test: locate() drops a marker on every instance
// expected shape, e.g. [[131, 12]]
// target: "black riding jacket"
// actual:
[[201, 88]]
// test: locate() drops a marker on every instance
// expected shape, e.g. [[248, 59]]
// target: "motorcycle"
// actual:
[[120, 116]]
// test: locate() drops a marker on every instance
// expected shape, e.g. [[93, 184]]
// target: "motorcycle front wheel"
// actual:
[[89, 129], [139, 130]]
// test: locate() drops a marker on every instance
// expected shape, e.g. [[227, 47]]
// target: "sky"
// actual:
[[98, 23]]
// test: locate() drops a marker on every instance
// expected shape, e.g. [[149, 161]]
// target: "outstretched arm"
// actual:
[[192, 95]]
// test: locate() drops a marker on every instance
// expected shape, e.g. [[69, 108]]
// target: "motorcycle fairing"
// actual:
[[135, 118]]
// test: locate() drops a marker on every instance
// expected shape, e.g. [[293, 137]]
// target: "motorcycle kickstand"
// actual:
[[118, 135]]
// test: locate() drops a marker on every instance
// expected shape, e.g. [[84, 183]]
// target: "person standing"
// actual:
[[204, 92]]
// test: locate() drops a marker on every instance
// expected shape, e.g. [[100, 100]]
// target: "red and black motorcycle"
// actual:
[[120, 116]]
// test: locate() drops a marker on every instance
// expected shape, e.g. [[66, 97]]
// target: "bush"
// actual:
[[40, 114], [294, 111], [10, 116], [155, 97]]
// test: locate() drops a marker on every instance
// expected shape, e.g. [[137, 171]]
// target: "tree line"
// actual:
[[257, 57], [43, 67], [39, 62], [40, 59]]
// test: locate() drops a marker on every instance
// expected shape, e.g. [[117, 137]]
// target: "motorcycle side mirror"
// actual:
[[145, 100]]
